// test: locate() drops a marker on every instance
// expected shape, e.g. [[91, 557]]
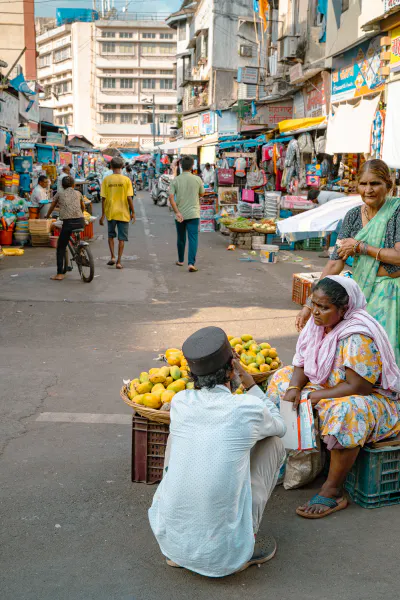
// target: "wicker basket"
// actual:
[[240, 229], [159, 416], [261, 377]]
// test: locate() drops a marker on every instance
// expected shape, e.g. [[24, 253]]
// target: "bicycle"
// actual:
[[81, 254]]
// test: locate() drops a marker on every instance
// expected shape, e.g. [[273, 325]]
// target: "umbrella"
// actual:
[[143, 157], [107, 158], [318, 222]]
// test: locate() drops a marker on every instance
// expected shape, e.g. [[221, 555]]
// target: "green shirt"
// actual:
[[187, 189]]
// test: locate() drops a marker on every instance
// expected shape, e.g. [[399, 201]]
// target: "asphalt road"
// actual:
[[73, 525]]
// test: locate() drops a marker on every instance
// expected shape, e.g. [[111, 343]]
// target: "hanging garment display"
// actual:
[[378, 128], [240, 167]]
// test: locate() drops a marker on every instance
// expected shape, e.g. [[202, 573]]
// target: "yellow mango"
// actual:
[[254, 371], [135, 382], [248, 344], [247, 338], [264, 368], [253, 365], [251, 353], [190, 385], [184, 373], [239, 391], [230, 337], [171, 351], [177, 386], [168, 381], [255, 348], [238, 348], [175, 373], [158, 389], [156, 394], [157, 377], [145, 388], [167, 396], [152, 400], [174, 360], [274, 365], [139, 399], [153, 371], [235, 341], [273, 353], [264, 352], [165, 371], [265, 346], [184, 363], [144, 377], [268, 360], [260, 360], [132, 393]]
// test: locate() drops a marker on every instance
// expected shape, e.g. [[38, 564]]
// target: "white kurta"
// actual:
[[202, 510]]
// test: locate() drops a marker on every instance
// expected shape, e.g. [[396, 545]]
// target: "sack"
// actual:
[[303, 467], [255, 179], [226, 176], [247, 195], [306, 143]]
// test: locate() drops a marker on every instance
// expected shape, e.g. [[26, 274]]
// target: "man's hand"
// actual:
[[133, 218], [245, 377], [101, 221], [302, 318], [179, 217], [293, 396]]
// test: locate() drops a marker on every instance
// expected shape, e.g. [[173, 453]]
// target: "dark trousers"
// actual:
[[191, 226], [68, 227]]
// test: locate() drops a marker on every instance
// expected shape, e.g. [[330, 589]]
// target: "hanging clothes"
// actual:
[[240, 167]]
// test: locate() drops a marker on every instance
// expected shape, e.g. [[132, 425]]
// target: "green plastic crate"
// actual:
[[315, 244], [374, 480]]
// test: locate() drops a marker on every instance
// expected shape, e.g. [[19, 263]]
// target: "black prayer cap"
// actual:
[[207, 350]]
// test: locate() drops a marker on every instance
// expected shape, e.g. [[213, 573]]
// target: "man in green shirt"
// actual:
[[186, 190]]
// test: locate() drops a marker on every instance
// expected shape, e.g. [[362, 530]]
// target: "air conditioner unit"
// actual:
[[246, 51], [287, 47]]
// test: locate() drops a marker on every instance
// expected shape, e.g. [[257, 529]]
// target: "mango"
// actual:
[[253, 365], [264, 368], [235, 341], [273, 353], [177, 386], [144, 377], [260, 360], [255, 348], [184, 363], [274, 365], [238, 348], [254, 371], [158, 389], [264, 352], [251, 353], [132, 386], [139, 399], [169, 380], [171, 351], [248, 344], [265, 346], [230, 337], [175, 373], [184, 373], [156, 394], [165, 371], [249, 359], [247, 337], [145, 388], [167, 396], [152, 400], [239, 391], [135, 382], [132, 393], [153, 371], [190, 385], [268, 360], [174, 360], [157, 377]]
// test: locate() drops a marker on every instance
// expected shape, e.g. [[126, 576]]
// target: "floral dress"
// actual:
[[353, 420]]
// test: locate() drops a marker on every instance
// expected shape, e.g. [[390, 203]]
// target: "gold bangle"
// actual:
[[294, 387], [378, 253]]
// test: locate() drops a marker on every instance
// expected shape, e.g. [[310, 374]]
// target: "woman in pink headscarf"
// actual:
[[345, 364]]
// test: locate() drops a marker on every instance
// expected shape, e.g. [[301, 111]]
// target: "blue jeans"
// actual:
[[191, 226]]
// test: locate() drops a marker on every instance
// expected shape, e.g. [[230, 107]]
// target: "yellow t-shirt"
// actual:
[[116, 189]]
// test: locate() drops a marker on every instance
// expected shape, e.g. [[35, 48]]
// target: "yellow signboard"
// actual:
[[395, 49]]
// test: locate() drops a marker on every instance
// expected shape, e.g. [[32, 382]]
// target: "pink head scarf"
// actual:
[[315, 351]]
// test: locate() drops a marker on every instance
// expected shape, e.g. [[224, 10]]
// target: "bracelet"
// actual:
[[356, 247], [294, 387], [378, 253]]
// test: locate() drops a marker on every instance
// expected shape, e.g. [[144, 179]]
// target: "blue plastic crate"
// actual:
[[276, 240], [374, 480]]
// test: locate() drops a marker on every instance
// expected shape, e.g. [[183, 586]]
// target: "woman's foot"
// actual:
[[111, 262], [57, 277], [179, 264], [328, 500], [192, 269], [119, 266]]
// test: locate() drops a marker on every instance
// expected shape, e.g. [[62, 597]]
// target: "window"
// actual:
[[44, 61], [126, 117], [109, 118], [63, 88], [126, 34], [63, 54], [109, 71], [64, 120], [109, 106], [166, 36], [149, 84], [182, 32], [148, 36], [126, 71], [164, 107], [108, 47], [127, 106], [126, 48], [166, 72], [167, 49], [202, 47], [108, 34], [345, 5], [149, 49], [149, 71], [126, 83], [166, 84], [110, 83]]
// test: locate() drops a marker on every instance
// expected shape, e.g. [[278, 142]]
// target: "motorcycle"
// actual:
[[160, 189], [94, 187]]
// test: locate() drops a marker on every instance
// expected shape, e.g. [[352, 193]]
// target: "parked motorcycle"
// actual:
[[94, 187], [160, 189]]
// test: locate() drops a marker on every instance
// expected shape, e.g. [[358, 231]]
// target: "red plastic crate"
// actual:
[[302, 284], [149, 442], [87, 234]]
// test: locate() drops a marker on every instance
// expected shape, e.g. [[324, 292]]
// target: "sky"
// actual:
[[47, 8]]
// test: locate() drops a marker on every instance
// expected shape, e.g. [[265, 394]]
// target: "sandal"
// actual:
[[193, 269], [119, 266], [333, 506], [179, 264], [111, 263]]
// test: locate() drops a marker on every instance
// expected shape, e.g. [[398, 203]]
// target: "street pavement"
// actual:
[[73, 525]]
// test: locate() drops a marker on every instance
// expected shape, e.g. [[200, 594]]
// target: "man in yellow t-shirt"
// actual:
[[117, 207]]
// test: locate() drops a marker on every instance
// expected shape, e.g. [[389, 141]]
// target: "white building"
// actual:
[[101, 78]]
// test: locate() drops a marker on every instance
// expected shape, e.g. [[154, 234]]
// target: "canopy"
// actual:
[[142, 158], [300, 124], [182, 143], [318, 222], [391, 149]]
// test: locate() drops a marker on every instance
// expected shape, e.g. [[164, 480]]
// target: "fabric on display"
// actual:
[[240, 167], [44, 154], [391, 146], [349, 129]]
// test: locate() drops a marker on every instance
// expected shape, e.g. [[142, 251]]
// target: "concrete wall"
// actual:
[[17, 31], [83, 79]]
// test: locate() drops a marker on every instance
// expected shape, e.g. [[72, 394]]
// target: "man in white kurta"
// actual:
[[223, 460]]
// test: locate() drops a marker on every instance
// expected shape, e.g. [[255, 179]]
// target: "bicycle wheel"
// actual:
[[85, 262]]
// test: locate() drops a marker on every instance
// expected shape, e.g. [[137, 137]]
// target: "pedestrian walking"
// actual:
[[151, 173], [186, 190], [117, 206]]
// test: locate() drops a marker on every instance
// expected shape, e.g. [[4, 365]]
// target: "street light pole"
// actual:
[[154, 121]]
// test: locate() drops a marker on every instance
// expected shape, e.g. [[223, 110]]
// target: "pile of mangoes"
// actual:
[[156, 388], [256, 358]]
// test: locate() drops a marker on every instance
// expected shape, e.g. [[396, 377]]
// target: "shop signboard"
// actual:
[[9, 111], [268, 116], [55, 138], [389, 4], [227, 123], [248, 75], [207, 123], [23, 132], [315, 103], [356, 72], [395, 50], [279, 112], [191, 127], [299, 111]]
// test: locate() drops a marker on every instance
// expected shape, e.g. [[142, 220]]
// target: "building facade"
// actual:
[[17, 31], [113, 81]]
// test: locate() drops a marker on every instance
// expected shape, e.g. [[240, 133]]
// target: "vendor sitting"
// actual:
[[345, 364], [222, 463], [40, 191]]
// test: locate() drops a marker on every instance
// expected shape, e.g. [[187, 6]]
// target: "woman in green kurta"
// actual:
[[371, 233]]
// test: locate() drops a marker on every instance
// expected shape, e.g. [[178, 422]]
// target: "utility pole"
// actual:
[[154, 121]]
